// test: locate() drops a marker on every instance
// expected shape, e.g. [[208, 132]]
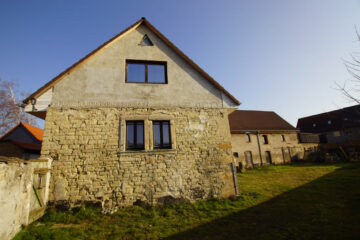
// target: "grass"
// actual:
[[299, 201]]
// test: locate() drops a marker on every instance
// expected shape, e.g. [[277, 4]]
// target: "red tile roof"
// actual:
[[248, 120]]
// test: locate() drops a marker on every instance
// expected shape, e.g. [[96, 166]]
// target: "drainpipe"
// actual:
[[258, 142]]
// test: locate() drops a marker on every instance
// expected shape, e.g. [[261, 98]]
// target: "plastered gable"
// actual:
[[101, 78]]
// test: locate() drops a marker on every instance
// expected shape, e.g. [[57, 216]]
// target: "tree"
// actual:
[[351, 89], [10, 112]]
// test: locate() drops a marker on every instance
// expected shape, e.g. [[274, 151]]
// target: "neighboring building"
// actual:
[[136, 120], [339, 126], [22, 141], [338, 132], [262, 137]]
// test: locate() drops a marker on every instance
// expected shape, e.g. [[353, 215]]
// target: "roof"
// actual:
[[135, 25], [348, 117], [35, 131], [248, 120]]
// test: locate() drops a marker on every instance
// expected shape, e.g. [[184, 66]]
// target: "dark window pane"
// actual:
[[130, 135], [156, 134], [166, 134], [156, 73], [140, 134], [136, 72]]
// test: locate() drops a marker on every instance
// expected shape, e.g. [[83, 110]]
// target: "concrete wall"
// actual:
[[101, 78], [18, 203], [278, 148], [91, 163]]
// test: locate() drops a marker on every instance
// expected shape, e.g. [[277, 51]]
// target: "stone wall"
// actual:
[[19, 205], [281, 151], [91, 162]]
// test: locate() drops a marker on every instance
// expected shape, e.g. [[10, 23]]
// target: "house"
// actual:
[[261, 138], [22, 141], [337, 126], [338, 131], [136, 120]]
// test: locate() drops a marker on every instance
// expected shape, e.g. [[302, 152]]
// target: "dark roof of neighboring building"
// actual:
[[161, 36], [348, 117], [35, 131], [24, 145], [250, 120]]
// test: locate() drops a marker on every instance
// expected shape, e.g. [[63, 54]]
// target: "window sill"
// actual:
[[155, 151]]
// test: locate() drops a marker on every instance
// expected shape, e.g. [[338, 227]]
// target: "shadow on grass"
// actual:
[[326, 208]]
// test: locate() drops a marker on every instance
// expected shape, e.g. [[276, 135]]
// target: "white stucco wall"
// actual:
[[101, 78]]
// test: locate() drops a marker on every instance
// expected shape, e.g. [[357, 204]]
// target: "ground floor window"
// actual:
[[268, 156], [162, 138], [135, 135]]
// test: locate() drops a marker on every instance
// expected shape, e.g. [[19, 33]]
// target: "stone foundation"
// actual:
[[92, 164]]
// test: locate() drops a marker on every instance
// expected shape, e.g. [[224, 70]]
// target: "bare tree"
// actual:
[[10, 113], [351, 89]]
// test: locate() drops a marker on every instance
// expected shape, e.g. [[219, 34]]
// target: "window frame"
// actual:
[[146, 63], [161, 146], [136, 148]]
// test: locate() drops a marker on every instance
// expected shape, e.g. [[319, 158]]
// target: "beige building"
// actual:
[[136, 120], [260, 138]]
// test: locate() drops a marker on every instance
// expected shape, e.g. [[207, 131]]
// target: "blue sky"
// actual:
[[278, 55]]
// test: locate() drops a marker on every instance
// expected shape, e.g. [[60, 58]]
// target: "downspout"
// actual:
[[258, 142]]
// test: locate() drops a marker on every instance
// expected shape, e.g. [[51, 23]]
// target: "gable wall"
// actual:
[[101, 78]]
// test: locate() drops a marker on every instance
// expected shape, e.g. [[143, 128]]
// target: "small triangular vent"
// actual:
[[146, 41]]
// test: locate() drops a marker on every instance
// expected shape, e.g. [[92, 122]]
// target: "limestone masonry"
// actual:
[[91, 164]]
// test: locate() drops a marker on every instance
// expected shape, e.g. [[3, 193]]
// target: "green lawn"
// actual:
[[299, 201]]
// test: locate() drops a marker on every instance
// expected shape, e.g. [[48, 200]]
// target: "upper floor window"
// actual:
[[162, 138], [134, 135], [283, 138], [146, 72], [248, 139], [265, 139]]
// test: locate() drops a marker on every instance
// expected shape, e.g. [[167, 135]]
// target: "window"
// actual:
[[268, 157], [134, 135], [265, 139], [162, 138], [329, 122], [236, 154], [145, 72], [248, 139], [283, 138]]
